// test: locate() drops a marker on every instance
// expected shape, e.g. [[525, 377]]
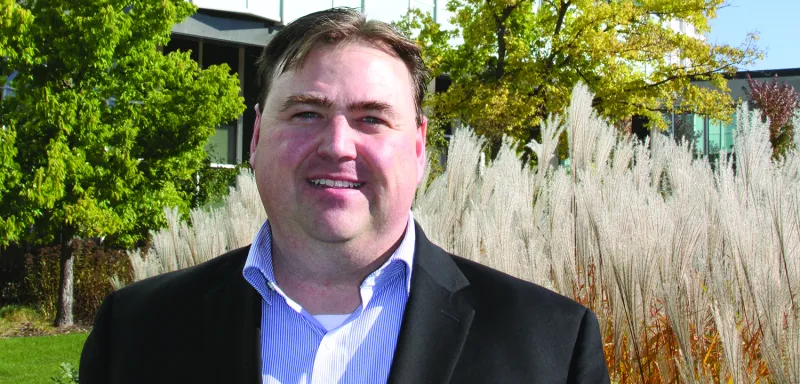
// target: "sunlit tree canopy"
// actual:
[[513, 62]]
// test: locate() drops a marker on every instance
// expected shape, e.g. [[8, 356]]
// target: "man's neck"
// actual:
[[326, 279]]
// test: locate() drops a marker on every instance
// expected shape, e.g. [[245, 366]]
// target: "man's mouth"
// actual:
[[328, 183]]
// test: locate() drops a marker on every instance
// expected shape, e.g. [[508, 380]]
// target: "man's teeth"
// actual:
[[335, 183]]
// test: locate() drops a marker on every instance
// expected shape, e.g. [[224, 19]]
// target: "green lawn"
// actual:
[[36, 359]]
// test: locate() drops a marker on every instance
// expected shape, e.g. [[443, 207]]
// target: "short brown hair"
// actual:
[[291, 45]]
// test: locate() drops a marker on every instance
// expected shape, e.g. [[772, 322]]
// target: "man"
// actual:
[[340, 285]]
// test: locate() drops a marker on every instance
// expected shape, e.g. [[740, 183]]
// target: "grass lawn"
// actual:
[[31, 349], [37, 359]]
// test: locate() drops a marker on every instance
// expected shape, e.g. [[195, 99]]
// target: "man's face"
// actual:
[[339, 154]]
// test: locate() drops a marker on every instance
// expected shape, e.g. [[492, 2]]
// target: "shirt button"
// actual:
[[328, 344]]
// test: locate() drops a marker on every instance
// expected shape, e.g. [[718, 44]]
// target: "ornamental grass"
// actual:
[[692, 268]]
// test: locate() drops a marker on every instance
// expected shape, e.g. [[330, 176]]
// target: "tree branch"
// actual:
[[500, 30]]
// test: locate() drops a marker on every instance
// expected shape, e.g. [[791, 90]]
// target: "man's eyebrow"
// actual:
[[315, 101], [372, 105]]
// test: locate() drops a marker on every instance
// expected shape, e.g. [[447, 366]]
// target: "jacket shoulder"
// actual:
[[490, 285], [521, 330], [185, 283]]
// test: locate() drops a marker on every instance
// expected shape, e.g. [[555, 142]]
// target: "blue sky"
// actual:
[[777, 21]]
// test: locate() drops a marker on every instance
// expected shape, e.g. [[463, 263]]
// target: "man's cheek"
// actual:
[[294, 143]]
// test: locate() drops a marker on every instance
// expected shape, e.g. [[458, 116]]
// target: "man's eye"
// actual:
[[306, 115], [373, 120]]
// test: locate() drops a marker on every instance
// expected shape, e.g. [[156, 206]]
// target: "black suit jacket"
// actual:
[[463, 323]]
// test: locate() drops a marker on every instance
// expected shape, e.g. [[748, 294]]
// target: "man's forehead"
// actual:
[[371, 52], [313, 52], [307, 79]]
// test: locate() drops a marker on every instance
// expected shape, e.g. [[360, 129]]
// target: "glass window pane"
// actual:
[[727, 135], [714, 136], [221, 146], [683, 128], [699, 125]]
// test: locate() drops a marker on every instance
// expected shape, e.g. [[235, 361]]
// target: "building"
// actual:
[[234, 31], [709, 136]]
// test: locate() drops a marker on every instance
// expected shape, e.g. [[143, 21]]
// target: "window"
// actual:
[[221, 146], [689, 128]]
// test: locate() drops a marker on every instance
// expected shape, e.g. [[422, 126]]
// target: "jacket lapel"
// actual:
[[436, 321], [232, 328]]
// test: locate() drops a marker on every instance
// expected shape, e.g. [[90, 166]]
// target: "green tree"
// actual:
[[103, 127], [519, 60]]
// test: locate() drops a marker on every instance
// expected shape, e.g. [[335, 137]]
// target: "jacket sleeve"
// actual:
[[96, 355], [588, 363]]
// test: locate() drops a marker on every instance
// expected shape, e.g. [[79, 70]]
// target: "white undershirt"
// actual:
[[331, 321]]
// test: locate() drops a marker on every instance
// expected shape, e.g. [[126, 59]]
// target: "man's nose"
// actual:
[[338, 140]]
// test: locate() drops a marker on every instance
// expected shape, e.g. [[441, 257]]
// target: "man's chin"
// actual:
[[335, 232]]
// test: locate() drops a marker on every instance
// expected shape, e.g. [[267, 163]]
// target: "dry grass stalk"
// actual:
[[694, 273], [692, 270]]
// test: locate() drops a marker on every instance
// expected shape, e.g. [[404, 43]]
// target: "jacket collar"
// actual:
[[436, 321]]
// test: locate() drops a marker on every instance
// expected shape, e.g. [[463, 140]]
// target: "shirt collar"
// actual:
[[258, 266]]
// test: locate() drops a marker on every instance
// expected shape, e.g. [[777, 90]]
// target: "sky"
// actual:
[[778, 24]]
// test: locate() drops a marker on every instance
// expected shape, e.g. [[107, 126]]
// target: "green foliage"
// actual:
[[104, 125], [94, 268], [69, 374], [214, 184], [436, 40], [519, 61], [11, 226]]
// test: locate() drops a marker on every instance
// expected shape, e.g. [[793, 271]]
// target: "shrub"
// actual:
[[94, 267], [12, 276], [778, 102]]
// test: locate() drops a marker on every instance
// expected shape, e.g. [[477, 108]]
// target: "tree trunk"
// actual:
[[65, 297]]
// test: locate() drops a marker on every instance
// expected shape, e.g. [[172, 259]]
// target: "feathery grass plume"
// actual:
[[209, 233], [672, 255], [725, 321], [693, 272], [243, 213]]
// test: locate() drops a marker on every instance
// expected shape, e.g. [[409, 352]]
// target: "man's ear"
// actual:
[[422, 155], [256, 133]]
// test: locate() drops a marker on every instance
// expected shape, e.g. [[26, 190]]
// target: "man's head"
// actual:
[[291, 45], [339, 146]]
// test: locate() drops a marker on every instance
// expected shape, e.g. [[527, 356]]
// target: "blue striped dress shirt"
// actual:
[[297, 348]]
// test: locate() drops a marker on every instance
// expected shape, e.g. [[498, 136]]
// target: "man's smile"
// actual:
[[328, 183]]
